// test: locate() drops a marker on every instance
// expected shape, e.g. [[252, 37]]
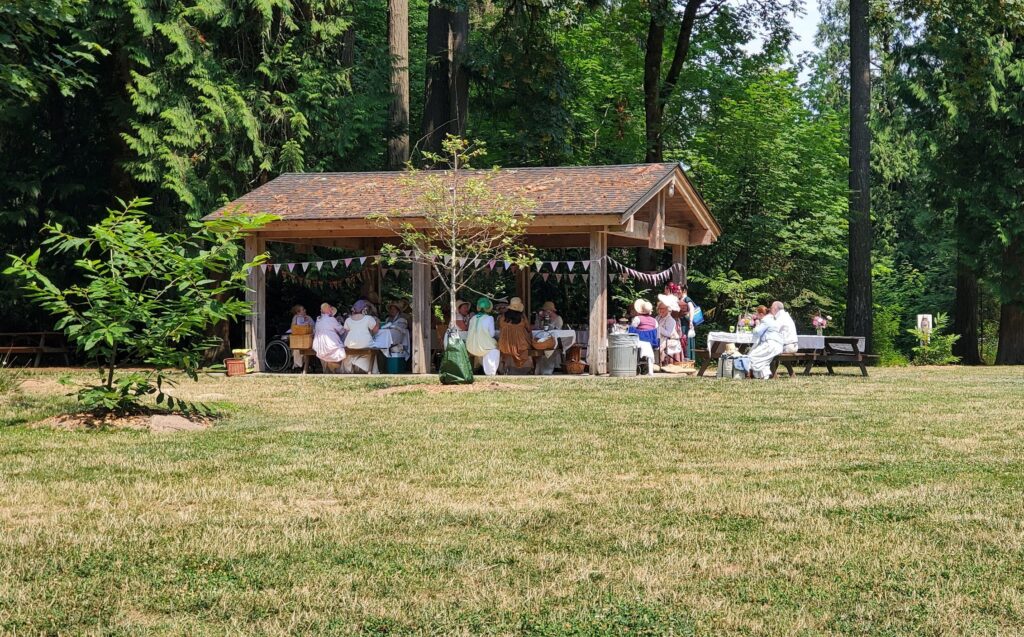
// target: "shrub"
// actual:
[[935, 348], [146, 297]]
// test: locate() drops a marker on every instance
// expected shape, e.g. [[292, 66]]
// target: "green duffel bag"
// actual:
[[456, 368]]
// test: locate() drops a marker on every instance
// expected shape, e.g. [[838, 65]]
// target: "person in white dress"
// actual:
[[548, 318], [398, 323], [768, 341], [327, 341], [787, 328], [360, 327], [480, 340], [668, 330]]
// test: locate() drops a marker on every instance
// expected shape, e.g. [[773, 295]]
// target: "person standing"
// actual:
[[668, 330], [480, 340]]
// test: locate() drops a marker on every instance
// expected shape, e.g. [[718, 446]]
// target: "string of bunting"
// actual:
[[622, 272]]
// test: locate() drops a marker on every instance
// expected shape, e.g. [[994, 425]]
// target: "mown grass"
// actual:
[[886, 506]]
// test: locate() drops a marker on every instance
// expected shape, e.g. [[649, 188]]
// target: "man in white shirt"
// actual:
[[768, 344], [787, 328]]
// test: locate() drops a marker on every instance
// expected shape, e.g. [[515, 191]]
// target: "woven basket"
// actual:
[[299, 330], [575, 367], [235, 366], [300, 341]]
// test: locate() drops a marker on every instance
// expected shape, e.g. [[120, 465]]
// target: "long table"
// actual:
[[812, 348]]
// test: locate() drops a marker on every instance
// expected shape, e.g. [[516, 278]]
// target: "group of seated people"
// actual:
[[347, 345], [506, 343], [668, 330], [774, 334]]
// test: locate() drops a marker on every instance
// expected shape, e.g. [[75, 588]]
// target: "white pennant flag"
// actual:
[[554, 265], [320, 265], [277, 268], [558, 277], [462, 261], [334, 263], [362, 260], [264, 268], [586, 265], [570, 264], [585, 276], [572, 278], [508, 264], [611, 276], [305, 266]]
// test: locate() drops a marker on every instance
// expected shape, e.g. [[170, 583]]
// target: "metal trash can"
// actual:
[[623, 350]]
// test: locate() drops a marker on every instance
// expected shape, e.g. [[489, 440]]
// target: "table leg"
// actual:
[[39, 354]]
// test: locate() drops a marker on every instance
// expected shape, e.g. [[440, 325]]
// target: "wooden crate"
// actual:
[[235, 366]]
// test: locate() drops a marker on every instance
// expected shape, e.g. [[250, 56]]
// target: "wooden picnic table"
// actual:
[[833, 350], [29, 343]]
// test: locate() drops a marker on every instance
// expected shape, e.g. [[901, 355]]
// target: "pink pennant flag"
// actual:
[[545, 275], [291, 267], [348, 262], [570, 264], [586, 265], [623, 277], [558, 277], [491, 263], [530, 274], [572, 278], [586, 277], [383, 271]]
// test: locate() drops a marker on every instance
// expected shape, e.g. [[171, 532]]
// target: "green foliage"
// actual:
[[146, 296], [935, 348], [466, 223]]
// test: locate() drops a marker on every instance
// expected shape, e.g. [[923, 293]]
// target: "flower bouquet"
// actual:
[[746, 323], [820, 323]]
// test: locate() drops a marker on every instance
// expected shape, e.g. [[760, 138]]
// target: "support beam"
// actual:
[[256, 297], [656, 232], [421, 297], [597, 347], [642, 232], [523, 288], [679, 258]]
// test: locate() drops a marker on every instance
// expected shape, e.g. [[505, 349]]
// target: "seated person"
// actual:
[[668, 330], [360, 327], [462, 315], [548, 315], [299, 317], [514, 339], [767, 344], [787, 328], [327, 342], [398, 323], [480, 341], [646, 329]]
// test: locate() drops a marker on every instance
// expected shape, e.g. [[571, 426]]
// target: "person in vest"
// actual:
[[480, 340], [514, 338]]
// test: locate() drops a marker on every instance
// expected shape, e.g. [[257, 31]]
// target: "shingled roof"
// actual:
[[575, 190]]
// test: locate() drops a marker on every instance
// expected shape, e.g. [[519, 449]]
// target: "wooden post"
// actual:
[[256, 296], [598, 344], [523, 288], [656, 230], [679, 258], [421, 296]]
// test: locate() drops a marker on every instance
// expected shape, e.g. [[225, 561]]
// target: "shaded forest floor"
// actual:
[[887, 505]]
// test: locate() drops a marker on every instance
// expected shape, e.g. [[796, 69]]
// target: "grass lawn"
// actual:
[[887, 506]]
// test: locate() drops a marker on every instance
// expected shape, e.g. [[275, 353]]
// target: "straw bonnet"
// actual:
[[669, 301], [516, 304], [399, 303], [549, 306], [642, 306], [459, 303]]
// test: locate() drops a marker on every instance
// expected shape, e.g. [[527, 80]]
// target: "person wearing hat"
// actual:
[[642, 319], [646, 328], [360, 327], [514, 338], [327, 341], [462, 315], [668, 330], [548, 315], [398, 323], [480, 340]]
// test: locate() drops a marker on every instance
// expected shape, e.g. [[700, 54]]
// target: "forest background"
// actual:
[[195, 102]]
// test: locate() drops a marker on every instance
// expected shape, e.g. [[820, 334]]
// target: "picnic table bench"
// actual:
[[33, 343], [834, 350]]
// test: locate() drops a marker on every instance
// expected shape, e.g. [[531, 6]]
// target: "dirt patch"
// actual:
[[444, 389], [155, 423], [37, 386]]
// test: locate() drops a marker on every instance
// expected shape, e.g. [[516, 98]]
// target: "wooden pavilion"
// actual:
[[640, 205]]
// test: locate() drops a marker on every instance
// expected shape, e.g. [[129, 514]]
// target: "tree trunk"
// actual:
[[965, 315], [398, 47], [436, 94], [459, 80], [1011, 316], [653, 54], [858, 294]]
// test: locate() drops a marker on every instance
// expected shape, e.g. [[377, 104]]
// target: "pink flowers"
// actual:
[[820, 322]]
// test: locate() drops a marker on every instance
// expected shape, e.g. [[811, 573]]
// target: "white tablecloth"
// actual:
[[386, 337], [804, 341]]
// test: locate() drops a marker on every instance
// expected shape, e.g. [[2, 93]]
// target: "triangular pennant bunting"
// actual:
[[362, 260], [570, 264], [508, 264], [545, 275], [348, 262], [291, 267], [586, 265]]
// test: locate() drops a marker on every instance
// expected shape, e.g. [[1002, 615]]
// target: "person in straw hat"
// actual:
[[549, 314], [480, 340], [327, 341], [398, 323], [548, 319], [514, 339], [462, 315], [671, 350]]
